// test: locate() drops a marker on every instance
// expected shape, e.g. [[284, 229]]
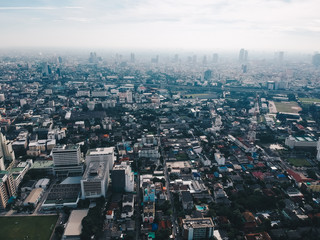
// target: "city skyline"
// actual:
[[227, 25]]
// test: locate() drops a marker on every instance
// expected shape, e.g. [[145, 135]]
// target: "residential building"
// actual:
[[6, 152], [7, 188]]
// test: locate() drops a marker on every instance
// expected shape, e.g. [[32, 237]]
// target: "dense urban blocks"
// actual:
[[29, 227]]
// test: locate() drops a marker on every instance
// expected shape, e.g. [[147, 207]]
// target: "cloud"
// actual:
[[193, 23]]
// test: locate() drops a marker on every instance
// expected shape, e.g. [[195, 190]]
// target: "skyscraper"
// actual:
[[316, 60], [215, 58], [6, 152], [243, 55], [132, 58]]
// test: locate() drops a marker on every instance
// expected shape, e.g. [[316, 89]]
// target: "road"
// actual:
[[138, 208], [174, 215], [43, 198]]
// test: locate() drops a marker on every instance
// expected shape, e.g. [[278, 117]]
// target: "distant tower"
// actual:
[[45, 69], [207, 75], [194, 59], [245, 55], [215, 58], [316, 60], [204, 60], [241, 55], [244, 68], [176, 58], [132, 58], [318, 149], [280, 56]]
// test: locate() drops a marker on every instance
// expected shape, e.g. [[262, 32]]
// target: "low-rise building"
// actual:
[[34, 197]]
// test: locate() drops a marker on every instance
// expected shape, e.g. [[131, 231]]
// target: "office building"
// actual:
[[101, 154], [7, 188], [95, 180], [122, 178], [67, 160], [197, 228]]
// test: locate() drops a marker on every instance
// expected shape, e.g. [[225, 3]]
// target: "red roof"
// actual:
[[298, 177], [258, 174]]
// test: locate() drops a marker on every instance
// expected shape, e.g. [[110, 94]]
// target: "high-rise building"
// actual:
[[243, 55], [207, 75], [6, 152], [122, 178], [132, 58], [45, 69], [101, 154], [7, 188], [204, 60], [194, 59], [215, 58], [95, 180], [316, 60], [67, 160], [197, 228]]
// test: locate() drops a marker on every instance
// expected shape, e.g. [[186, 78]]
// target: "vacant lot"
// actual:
[[29, 227], [299, 162], [201, 95], [288, 107]]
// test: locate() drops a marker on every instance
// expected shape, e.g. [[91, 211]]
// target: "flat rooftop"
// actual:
[[42, 164], [95, 171], [197, 223], [74, 225], [65, 147], [100, 151]]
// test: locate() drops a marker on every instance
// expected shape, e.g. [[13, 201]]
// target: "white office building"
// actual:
[[101, 154], [95, 180], [67, 160]]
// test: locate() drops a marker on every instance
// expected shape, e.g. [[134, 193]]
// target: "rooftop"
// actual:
[[95, 171], [100, 151], [42, 164], [65, 147], [74, 225], [197, 223]]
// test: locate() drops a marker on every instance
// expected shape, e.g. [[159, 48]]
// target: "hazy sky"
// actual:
[[162, 24]]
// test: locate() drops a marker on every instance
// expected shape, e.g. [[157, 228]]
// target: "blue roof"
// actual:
[[216, 174], [195, 174], [154, 227], [281, 176]]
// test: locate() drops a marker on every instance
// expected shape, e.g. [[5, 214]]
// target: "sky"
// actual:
[[276, 25]]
